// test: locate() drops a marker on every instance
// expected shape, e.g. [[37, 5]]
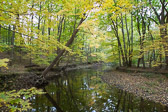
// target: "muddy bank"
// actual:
[[149, 86], [66, 67], [26, 80]]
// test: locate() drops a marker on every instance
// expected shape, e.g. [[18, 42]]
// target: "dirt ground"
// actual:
[[150, 86]]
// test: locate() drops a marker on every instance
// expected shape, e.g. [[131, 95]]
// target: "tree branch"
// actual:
[[153, 20], [157, 15]]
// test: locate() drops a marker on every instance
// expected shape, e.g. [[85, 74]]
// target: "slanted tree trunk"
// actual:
[[69, 42]]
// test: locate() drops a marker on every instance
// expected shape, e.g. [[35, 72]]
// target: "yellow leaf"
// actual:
[[4, 62]]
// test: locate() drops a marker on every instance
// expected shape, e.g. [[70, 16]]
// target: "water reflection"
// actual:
[[54, 103], [83, 91]]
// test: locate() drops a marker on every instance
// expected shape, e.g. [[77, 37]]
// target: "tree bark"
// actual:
[[132, 47], [9, 31], [70, 41], [115, 29], [0, 32], [123, 33], [142, 37], [12, 43]]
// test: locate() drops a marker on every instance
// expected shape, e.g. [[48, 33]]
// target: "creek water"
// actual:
[[84, 91]]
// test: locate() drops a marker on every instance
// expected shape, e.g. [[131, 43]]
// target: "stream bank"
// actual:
[[31, 77], [149, 86], [83, 90]]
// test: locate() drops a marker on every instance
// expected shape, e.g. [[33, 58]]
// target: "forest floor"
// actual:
[[148, 85]]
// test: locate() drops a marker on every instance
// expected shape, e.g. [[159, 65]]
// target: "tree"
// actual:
[[162, 20]]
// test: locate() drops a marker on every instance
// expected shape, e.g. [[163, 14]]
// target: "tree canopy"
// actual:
[[121, 31]]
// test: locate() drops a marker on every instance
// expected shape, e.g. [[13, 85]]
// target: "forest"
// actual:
[[51, 34]]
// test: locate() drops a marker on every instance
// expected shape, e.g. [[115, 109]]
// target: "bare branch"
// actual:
[[153, 20], [157, 15]]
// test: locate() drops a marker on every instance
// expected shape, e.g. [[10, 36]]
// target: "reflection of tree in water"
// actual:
[[67, 92], [72, 93], [121, 101], [52, 101], [82, 91]]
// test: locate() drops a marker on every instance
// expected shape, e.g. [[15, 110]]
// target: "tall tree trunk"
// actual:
[[12, 44], [119, 56], [132, 46], [43, 29], [39, 18], [0, 32], [128, 40], [139, 31], [60, 32], [30, 41], [9, 31], [166, 40], [115, 28], [6, 38], [143, 37], [124, 42], [152, 56]]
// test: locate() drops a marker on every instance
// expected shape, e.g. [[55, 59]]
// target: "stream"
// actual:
[[84, 91]]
